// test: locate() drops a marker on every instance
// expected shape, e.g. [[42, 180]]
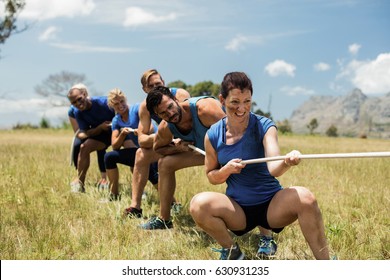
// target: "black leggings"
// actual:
[[100, 154], [127, 157]]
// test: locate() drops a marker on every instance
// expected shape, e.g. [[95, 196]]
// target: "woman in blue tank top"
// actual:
[[253, 196], [124, 134]]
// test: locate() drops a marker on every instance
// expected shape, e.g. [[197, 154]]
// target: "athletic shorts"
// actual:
[[104, 137], [256, 215]]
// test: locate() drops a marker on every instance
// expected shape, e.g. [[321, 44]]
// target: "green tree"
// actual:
[[44, 123], [8, 24], [178, 84], [332, 131], [205, 88], [312, 125], [284, 126]]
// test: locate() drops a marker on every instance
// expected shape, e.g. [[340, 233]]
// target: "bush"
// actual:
[[332, 131]]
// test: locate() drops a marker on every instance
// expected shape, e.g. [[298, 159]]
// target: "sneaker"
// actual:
[[103, 185], [132, 212], [176, 208], [157, 223], [267, 247], [233, 253], [77, 187], [115, 197]]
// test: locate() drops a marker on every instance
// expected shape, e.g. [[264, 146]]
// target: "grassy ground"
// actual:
[[42, 219]]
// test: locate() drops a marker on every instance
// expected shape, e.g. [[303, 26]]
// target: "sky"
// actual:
[[291, 50]]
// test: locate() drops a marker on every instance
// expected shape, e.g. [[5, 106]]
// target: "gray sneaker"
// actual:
[[157, 223], [76, 187], [233, 253]]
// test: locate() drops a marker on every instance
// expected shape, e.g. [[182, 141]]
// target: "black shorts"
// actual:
[[256, 215], [104, 137]]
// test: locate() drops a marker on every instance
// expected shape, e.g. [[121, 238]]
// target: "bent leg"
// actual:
[[215, 213], [167, 166], [143, 159], [86, 149], [299, 203]]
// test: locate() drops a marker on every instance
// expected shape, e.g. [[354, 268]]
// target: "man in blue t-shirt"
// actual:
[[94, 119], [183, 123]]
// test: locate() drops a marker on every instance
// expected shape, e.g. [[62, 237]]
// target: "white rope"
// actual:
[[321, 156], [309, 156], [200, 151]]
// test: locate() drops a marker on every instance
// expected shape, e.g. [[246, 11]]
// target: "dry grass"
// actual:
[[41, 219]]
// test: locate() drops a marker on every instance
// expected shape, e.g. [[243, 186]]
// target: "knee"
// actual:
[[166, 164], [110, 160], [308, 199], [85, 148], [199, 206]]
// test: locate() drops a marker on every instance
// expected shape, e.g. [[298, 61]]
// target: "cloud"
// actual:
[[321, 67], [280, 67], [354, 49], [136, 16], [298, 90], [48, 34], [373, 77], [86, 48], [240, 41], [48, 9]]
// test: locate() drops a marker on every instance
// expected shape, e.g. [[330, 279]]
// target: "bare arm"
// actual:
[[215, 173], [74, 124], [145, 138], [271, 149], [209, 111], [164, 143]]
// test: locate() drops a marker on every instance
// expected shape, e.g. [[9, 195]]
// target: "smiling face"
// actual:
[[79, 99], [238, 104], [119, 104]]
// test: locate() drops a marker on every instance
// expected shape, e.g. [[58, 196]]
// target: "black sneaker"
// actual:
[[132, 212], [157, 223], [233, 253], [114, 197]]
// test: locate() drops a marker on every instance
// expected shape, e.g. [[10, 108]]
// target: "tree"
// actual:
[[332, 131], [178, 84], [56, 86], [8, 24], [312, 125], [205, 88], [284, 126]]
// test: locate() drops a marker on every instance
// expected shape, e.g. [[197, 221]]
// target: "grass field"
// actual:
[[41, 218]]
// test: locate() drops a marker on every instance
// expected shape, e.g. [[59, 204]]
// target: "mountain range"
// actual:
[[354, 115]]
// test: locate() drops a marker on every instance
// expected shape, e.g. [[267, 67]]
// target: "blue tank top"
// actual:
[[133, 120], [198, 130], [97, 114], [156, 118], [254, 185]]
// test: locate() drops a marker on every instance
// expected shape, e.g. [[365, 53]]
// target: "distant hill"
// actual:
[[354, 114]]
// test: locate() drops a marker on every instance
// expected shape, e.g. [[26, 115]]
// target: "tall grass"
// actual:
[[42, 219]]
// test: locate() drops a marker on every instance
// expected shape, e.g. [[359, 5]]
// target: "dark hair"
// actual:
[[155, 96], [234, 80]]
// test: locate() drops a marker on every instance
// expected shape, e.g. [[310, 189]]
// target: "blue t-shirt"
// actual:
[[133, 121], [96, 115], [254, 185], [71, 111], [198, 130]]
